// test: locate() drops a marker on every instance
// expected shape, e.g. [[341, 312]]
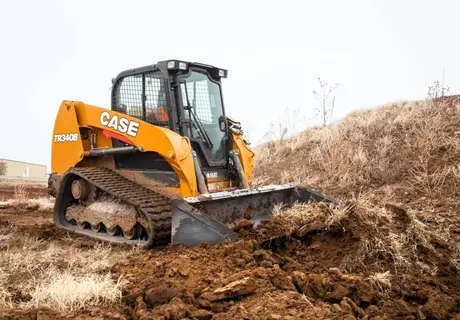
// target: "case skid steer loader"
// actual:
[[163, 165]]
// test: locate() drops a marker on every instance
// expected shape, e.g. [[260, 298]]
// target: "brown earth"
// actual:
[[391, 251], [33, 189], [289, 276]]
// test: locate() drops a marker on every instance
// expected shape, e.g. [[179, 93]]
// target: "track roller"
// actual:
[[113, 231], [80, 189], [130, 234], [82, 225], [97, 227]]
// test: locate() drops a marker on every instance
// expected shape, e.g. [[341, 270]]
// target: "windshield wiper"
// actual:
[[196, 120]]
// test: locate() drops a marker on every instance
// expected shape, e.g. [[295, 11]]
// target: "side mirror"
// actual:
[[222, 123]]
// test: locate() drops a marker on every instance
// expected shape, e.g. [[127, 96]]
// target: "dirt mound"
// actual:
[[211, 281], [329, 263], [292, 280]]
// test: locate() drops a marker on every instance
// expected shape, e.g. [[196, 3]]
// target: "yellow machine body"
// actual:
[[71, 148]]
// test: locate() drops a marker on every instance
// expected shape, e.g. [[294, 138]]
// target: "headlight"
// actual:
[[171, 64], [176, 65]]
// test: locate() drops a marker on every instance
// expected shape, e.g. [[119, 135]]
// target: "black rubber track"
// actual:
[[154, 207]]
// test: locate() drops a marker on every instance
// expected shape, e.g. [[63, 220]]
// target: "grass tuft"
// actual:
[[60, 275], [64, 291], [39, 204]]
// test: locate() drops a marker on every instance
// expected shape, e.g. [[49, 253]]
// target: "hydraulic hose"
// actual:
[[239, 168]]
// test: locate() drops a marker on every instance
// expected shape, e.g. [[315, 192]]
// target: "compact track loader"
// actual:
[[164, 164]]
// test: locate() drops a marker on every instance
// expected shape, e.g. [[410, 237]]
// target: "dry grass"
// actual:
[[400, 238], [413, 142], [388, 237], [381, 281], [40, 204], [6, 232], [24, 181], [20, 193], [63, 291], [21, 201], [5, 295], [305, 213], [56, 275]]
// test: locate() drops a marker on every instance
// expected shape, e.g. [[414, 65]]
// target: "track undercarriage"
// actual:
[[100, 203]]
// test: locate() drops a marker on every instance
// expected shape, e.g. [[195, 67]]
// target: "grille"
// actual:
[[143, 96]]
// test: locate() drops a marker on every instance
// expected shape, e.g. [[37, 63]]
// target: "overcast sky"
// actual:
[[379, 51]]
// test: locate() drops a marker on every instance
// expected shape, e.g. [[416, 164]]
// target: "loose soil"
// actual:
[[269, 274]]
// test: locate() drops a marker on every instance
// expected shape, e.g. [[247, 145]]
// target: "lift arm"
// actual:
[[70, 146]]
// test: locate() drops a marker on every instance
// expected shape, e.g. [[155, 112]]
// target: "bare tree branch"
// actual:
[[325, 109]]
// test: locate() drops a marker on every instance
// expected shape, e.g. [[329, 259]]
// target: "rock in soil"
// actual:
[[234, 289]]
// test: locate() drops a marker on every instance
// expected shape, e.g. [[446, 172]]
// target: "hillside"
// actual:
[[389, 250], [407, 144]]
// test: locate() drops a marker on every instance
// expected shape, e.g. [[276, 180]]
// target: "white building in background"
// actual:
[[14, 168]]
